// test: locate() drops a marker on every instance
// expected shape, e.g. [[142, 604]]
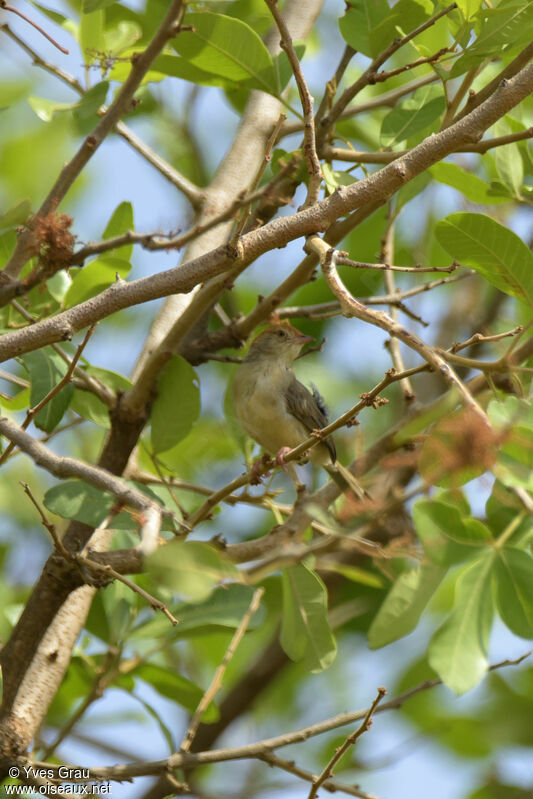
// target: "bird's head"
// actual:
[[281, 342]]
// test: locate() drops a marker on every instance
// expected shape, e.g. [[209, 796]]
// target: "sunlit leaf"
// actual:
[[413, 115], [514, 590], [403, 605], [458, 650], [190, 568], [471, 186], [176, 406], [46, 368], [94, 278], [305, 631], [227, 47], [498, 254]]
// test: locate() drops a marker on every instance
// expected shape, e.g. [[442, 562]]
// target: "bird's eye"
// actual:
[[282, 333]]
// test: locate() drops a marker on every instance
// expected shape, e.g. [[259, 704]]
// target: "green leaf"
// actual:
[[282, 66], [513, 419], [86, 111], [514, 590], [333, 178], [74, 499], [11, 92], [360, 20], [55, 16], [45, 109], [58, 285], [458, 650], [46, 368], [413, 115], [17, 403], [224, 608], [15, 216], [176, 67], [412, 189], [444, 535], [170, 684], [94, 278], [508, 161], [305, 631], [403, 605], [227, 47], [231, 419], [354, 573], [176, 406], [122, 37], [121, 221], [93, 5], [498, 254], [509, 24], [91, 407], [405, 16], [471, 186], [191, 568], [151, 711], [469, 8], [92, 34]]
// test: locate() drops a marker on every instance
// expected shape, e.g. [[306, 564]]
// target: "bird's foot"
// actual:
[[256, 472], [317, 433], [280, 458]]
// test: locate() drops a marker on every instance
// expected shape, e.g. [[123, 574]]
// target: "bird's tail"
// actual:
[[345, 480]]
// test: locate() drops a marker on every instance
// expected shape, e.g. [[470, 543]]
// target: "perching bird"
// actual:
[[278, 411]]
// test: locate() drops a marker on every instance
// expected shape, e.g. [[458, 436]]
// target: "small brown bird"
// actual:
[[278, 411]]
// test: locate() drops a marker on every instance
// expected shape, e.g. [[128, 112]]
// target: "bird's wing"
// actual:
[[310, 409]]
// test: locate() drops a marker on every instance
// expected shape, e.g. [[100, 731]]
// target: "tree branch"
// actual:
[[120, 106]]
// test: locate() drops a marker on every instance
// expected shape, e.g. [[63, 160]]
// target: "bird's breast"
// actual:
[[260, 407]]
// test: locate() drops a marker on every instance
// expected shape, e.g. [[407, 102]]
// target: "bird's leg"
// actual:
[[257, 466], [289, 468], [280, 458]]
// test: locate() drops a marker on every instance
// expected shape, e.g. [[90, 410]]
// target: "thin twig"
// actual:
[[307, 101], [364, 157], [158, 241], [352, 307], [350, 741], [347, 418], [381, 77], [64, 467], [332, 85], [192, 192], [218, 677], [386, 99], [91, 384], [258, 748], [37, 27], [387, 255], [329, 785], [271, 141], [479, 337], [460, 95], [120, 105], [58, 544], [32, 412], [342, 259], [156, 604], [104, 677], [333, 308], [368, 75]]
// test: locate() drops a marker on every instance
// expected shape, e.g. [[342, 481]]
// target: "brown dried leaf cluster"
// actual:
[[52, 242]]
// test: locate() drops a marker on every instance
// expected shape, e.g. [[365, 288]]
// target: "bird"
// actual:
[[278, 411]]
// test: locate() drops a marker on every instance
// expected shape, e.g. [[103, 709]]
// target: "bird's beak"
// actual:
[[302, 339]]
